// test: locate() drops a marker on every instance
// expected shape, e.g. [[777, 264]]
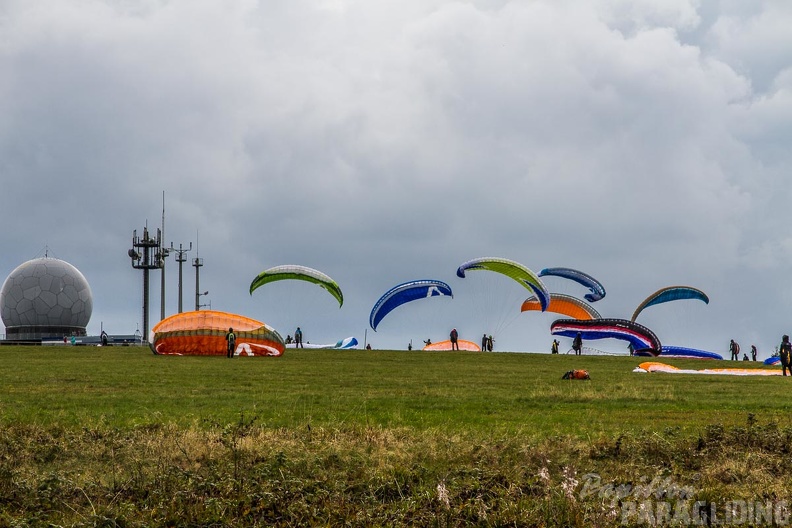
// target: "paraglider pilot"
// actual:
[[785, 352], [231, 343], [734, 349], [577, 344], [554, 347], [298, 338], [454, 339]]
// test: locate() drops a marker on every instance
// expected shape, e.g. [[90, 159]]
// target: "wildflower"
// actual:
[[569, 484], [442, 495]]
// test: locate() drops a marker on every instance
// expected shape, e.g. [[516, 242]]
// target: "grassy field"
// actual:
[[118, 436], [458, 392]]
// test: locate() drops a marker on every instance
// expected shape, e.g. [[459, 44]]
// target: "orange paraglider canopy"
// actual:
[[446, 345], [203, 333], [563, 304]]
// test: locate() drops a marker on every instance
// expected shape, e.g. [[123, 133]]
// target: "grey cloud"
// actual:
[[393, 141]]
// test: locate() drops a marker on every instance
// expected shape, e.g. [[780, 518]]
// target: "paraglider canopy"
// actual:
[[564, 305], [511, 269], [405, 293], [297, 272], [595, 287], [642, 339], [670, 293]]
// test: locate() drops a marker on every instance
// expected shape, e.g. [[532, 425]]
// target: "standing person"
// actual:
[[734, 349], [454, 338], [298, 338], [103, 337], [490, 341], [554, 347], [785, 353], [577, 344], [230, 343], [753, 352], [484, 342]]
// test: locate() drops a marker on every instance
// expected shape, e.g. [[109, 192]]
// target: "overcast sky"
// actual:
[[644, 142]]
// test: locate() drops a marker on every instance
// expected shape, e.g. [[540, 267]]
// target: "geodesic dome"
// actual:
[[45, 297]]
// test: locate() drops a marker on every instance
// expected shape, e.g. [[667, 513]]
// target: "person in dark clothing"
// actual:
[[103, 337], [577, 344], [734, 349], [490, 343], [231, 343], [484, 342], [298, 338], [454, 339], [554, 347], [753, 352], [785, 353]]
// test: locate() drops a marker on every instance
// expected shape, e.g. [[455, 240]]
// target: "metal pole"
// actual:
[[197, 262], [143, 260], [197, 286], [162, 254], [180, 259], [162, 288], [145, 297]]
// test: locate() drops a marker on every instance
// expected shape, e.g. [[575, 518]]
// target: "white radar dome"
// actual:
[[45, 297]]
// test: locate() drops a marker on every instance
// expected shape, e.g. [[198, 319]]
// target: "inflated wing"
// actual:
[[297, 272], [595, 287], [404, 293], [564, 305], [670, 293], [511, 269], [203, 333], [463, 344], [642, 339]]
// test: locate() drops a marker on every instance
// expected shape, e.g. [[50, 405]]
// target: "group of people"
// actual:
[[734, 351], [296, 340], [785, 349], [577, 345], [231, 341]]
